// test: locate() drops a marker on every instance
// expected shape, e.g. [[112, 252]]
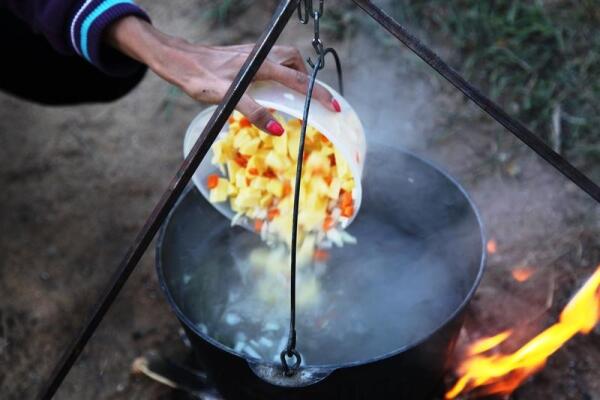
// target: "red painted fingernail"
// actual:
[[336, 105], [275, 128]]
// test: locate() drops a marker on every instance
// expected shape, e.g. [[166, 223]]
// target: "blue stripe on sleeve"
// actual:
[[87, 23]]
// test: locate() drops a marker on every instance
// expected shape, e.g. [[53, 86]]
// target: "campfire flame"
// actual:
[[522, 274], [503, 373], [491, 246]]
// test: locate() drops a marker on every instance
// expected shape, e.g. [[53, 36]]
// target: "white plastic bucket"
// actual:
[[343, 129]]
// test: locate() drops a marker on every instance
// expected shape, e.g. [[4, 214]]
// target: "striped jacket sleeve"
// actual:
[[78, 27]]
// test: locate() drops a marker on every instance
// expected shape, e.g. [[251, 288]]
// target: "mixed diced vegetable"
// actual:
[[257, 174]]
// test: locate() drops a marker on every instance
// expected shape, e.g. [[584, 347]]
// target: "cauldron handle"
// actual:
[[275, 375]]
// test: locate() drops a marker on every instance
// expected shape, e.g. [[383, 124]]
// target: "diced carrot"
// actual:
[[272, 214], [253, 171], [328, 179], [305, 156], [347, 211], [321, 255], [323, 138], [269, 174], [241, 160], [332, 160], [212, 181], [346, 199], [245, 122], [231, 120], [287, 188], [258, 224], [328, 223]]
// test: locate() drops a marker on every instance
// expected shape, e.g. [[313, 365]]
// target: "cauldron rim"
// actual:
[[331, 367]]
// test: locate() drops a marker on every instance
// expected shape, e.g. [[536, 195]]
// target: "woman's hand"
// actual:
[[206, 72]]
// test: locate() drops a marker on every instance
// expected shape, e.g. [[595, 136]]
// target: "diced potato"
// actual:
[[275, 161], [293, 143], [234, 206], [342, 167], [262, 167], [250, 147], [312, 133], [309, 219], [327, 150], [319, 185], [232, 190], [286, 205], [266, 139], [259, 183], [318, 163], [222, 151], [248, 198], [266, 200], [232, 169], [306, 251], [240, 179], [275, 187], [219, 193], [348, 185], [334, 189], [256, 163], [241, 138], [280, 145], [283, 226]]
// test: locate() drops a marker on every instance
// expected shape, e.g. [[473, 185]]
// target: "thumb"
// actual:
[[259, 116]]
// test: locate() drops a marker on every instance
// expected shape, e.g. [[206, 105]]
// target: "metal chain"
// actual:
[[290, 352]]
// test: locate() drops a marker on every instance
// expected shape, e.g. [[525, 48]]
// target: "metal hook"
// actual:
[[307, 5], [288, 369]]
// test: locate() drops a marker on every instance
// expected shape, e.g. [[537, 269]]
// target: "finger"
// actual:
[[295, 64], [288, 56], [299, 81], [291, 58], [283, 55], [259, 116]]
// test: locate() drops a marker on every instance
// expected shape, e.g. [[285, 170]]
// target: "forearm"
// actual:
[[206, 72], [141, 41], [136, 38]]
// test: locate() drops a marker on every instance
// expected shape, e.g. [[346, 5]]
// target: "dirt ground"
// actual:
[[78, 183]]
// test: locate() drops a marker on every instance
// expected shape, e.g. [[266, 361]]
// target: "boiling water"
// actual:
[[417, 256], [391, 289]]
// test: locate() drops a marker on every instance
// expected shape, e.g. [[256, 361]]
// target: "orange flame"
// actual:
[[522, 274], [491, 246], [483, 345], [503, 373]]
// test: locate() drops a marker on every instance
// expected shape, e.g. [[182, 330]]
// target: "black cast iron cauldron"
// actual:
[[402, 193]]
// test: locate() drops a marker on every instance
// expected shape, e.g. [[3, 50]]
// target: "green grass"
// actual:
[[337, 21], [224, 11], [540, 59]]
